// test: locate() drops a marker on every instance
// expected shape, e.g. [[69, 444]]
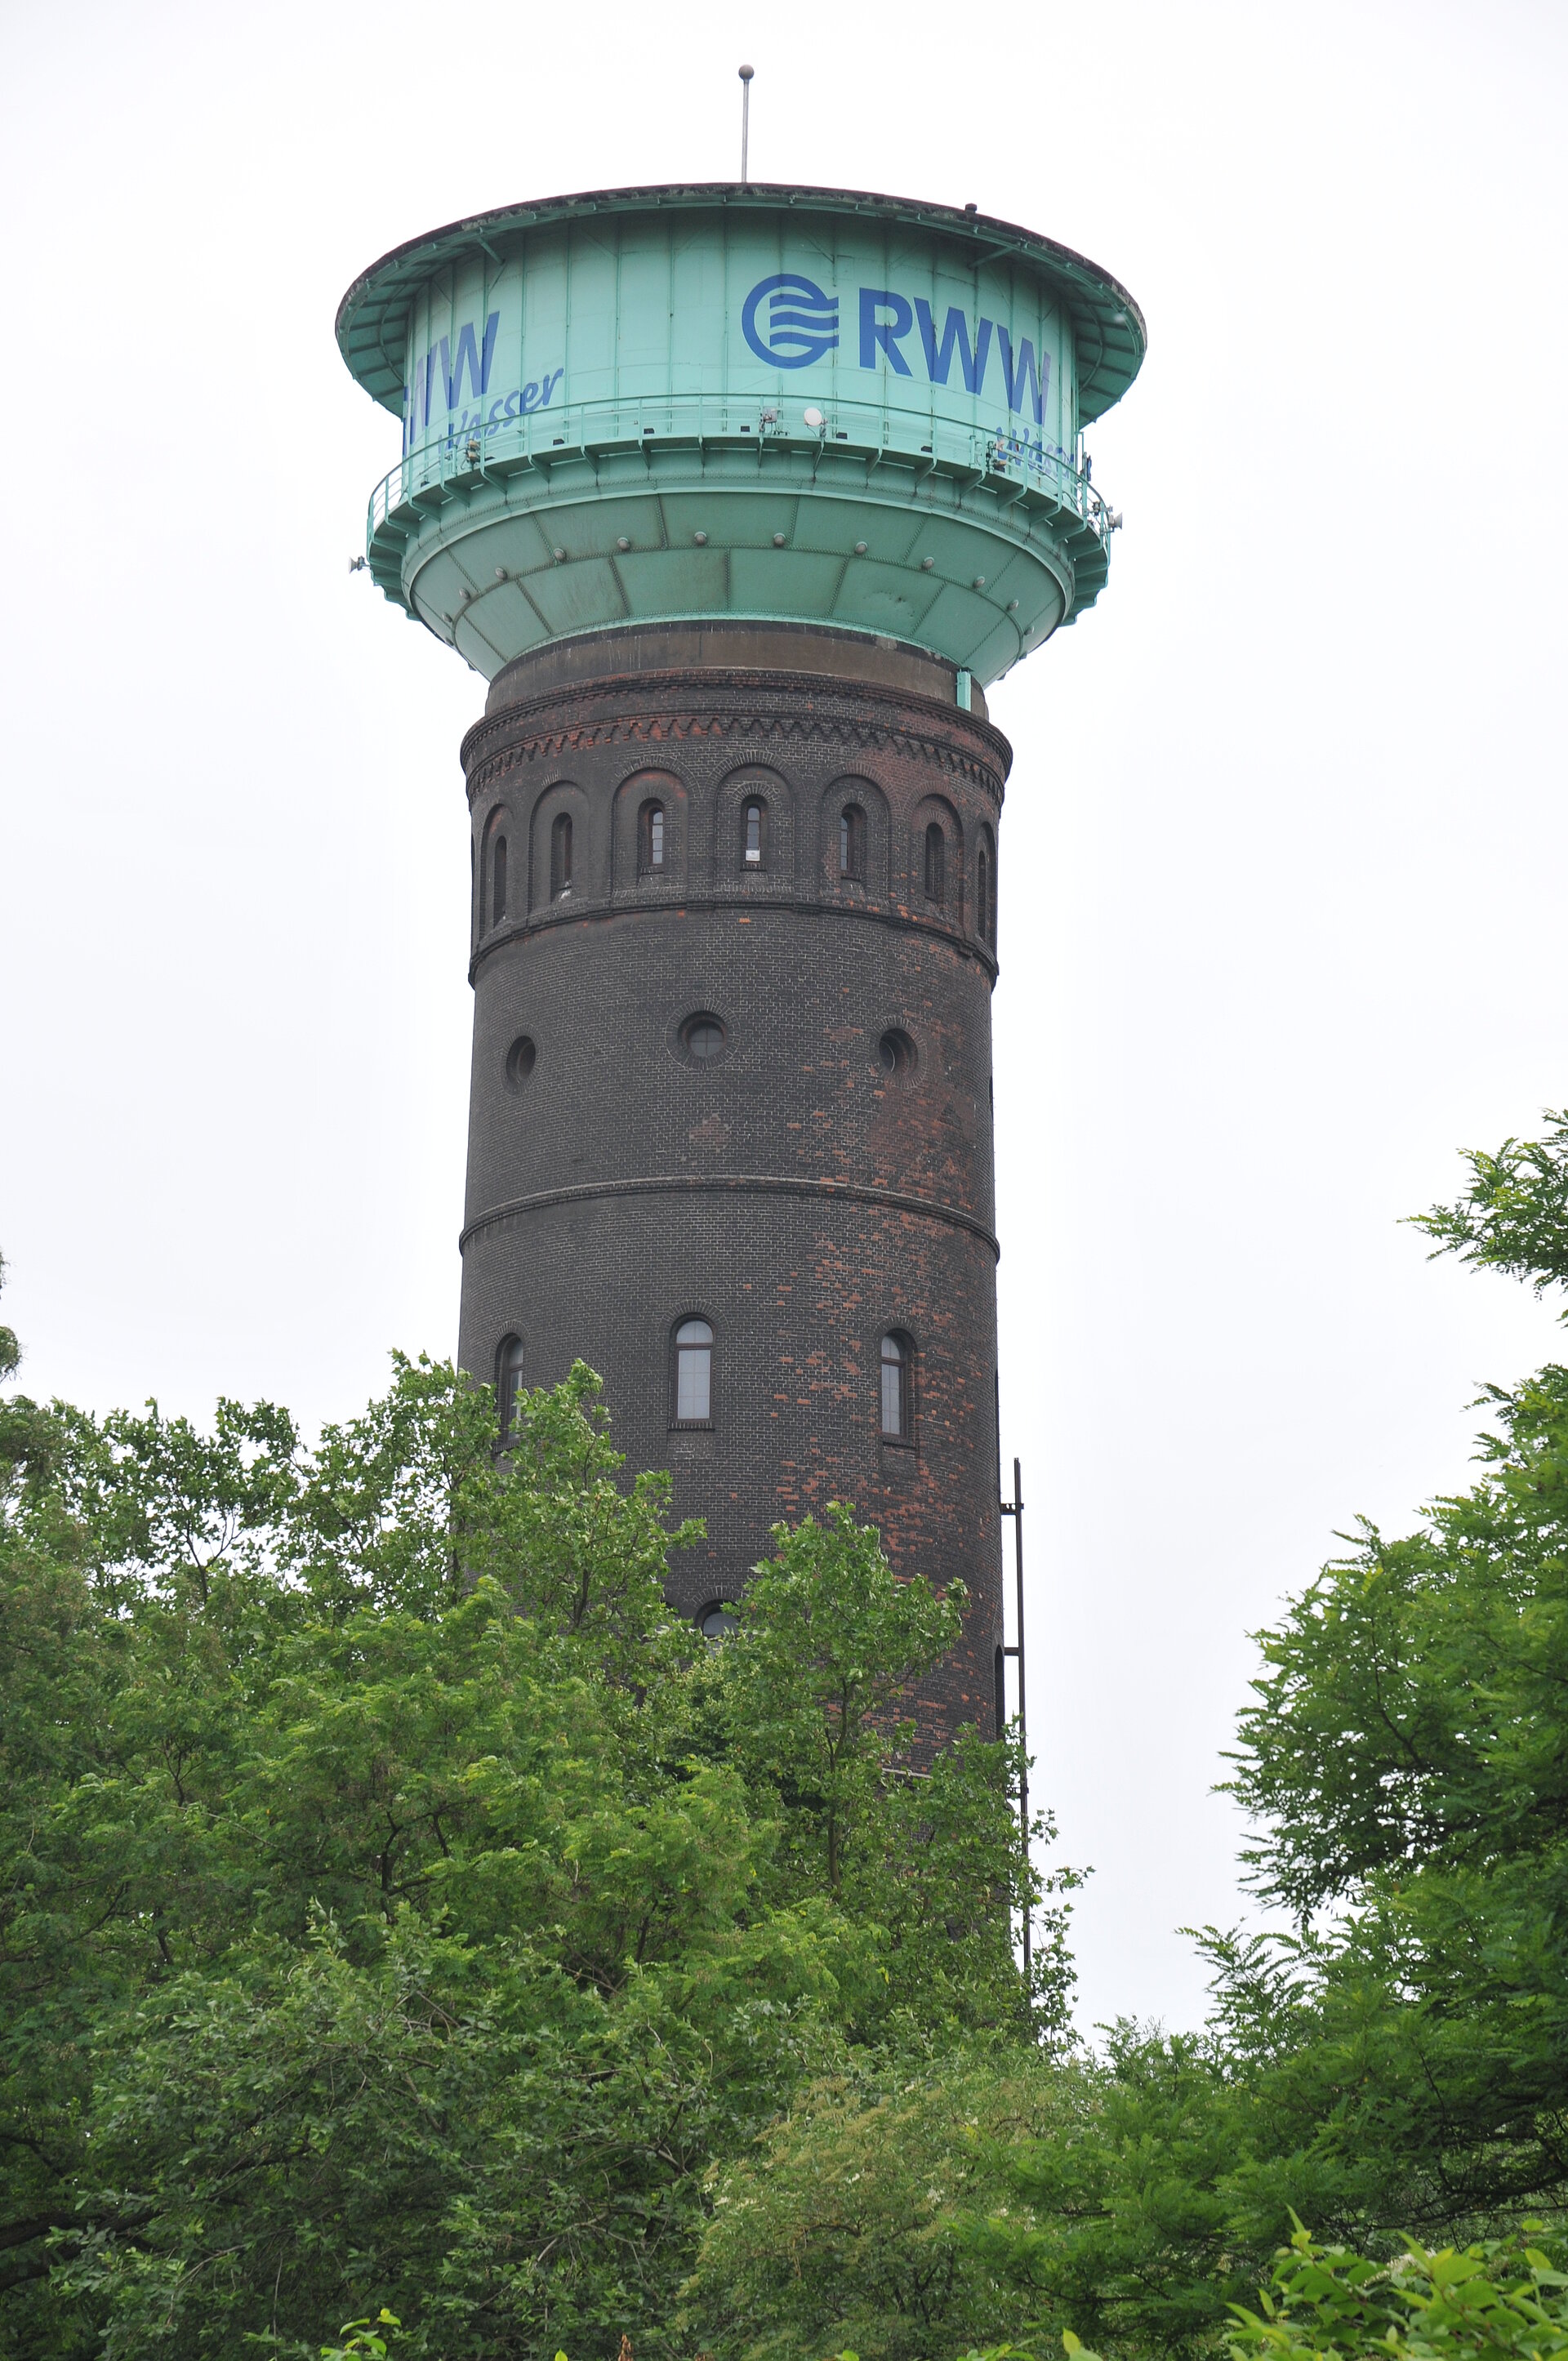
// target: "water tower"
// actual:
[[738, 498]]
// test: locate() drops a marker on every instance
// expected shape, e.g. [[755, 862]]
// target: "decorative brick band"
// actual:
[[760, 1185], [704, 687], [529, 745]]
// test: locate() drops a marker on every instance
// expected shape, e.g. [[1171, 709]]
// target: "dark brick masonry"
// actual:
[[794, 1193]]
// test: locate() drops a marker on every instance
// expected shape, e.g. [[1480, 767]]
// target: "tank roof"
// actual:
[[1108, 327]]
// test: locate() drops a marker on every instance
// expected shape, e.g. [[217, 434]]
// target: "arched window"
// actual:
[[897, 1370], [493, 869], [508, 1384], [693, 1374], [982, 894], [718, 1620], [936, 863], [753, 833], [560, 856], [852, 843], [651, 840]]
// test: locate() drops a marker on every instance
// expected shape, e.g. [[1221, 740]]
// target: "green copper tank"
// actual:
[[773, 403]]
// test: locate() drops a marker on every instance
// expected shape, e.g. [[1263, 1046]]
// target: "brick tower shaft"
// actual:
[[735, 892]]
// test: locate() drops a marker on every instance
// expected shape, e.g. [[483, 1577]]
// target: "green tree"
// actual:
[[1396, 2058], [1513, 1216], [814, 1692], [383, 1917], [1500, 2300], [583, 1555], [851, 2221], [829, 1644], [1407, 1757], [10, 1351]]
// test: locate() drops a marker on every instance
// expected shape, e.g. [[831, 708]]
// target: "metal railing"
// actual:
[[555, 433]]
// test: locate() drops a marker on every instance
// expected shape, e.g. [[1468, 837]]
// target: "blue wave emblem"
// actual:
[[803, 321]]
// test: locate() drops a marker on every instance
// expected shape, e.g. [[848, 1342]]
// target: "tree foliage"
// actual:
[[851, 2221], [10, 1350], [1513, 1217], [1407, 1757], [1395, 2058], [400, 1910], [1500, 2300], [389, 1913]]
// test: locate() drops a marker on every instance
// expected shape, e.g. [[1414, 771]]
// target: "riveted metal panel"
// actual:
[[763, 405]]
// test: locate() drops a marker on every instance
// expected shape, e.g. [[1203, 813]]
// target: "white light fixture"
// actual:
[[814, 420]]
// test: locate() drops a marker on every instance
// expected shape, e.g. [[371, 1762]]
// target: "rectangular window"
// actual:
[[694, 1373], [936, 863], [892, 1398], [895, 1350], [694, 1392]]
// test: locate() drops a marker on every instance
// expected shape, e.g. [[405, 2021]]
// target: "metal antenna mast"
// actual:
[[746, 73]]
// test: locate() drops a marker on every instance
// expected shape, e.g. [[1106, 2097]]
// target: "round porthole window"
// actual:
[[702, 1039], [897, 1055], [718, 1621], [520, 1060]]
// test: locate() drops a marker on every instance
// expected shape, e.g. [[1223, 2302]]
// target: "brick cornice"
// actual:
[[672, 706]]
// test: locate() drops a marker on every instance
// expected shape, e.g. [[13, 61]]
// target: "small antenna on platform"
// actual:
[[746, 73]]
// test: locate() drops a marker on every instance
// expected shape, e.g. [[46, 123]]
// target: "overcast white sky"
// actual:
[[1284, 850]]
